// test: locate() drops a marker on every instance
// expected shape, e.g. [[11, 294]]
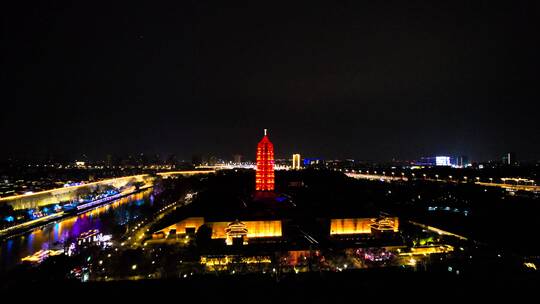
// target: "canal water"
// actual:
[[108, 219]]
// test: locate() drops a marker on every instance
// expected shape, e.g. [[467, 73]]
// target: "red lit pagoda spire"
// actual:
[[264, 178]]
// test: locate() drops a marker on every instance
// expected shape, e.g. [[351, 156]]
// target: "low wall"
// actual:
[[55, 196]]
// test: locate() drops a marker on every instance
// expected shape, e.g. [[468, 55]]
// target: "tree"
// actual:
[[203, 236], [6, 210]]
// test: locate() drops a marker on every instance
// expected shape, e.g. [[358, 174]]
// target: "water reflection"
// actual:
[[104, 218]]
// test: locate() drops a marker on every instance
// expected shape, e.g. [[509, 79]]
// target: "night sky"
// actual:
[[333, 79]]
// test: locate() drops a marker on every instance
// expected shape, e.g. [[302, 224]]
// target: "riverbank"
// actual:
[[37, 223]]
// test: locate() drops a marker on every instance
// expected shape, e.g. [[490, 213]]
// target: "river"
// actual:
[[105, 218]]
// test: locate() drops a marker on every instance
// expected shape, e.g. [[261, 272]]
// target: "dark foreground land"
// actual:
[[485, 271], [381, 285]]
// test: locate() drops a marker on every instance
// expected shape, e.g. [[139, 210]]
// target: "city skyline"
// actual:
[[209, 157]]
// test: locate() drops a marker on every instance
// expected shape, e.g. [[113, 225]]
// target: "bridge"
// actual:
[[377, 177], [512, 187], [184, 173], [509, 183]]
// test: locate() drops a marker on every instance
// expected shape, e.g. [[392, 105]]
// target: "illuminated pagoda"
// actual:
[[264, 178], [236, 231]]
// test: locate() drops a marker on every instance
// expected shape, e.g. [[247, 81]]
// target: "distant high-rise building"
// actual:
[[197, 160], [439, 161], [108, 160], [156, 159], [296, 161], [172, 161], [509, 158], [142, 159], [213, 160], [443, 161], [450, 161], [313, 162], [462, 161], [237, 158], [264, 177]]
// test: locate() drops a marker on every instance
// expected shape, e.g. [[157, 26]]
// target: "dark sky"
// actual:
[[334, 79]]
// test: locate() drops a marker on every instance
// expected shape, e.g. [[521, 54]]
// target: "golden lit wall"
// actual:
[[396, 224], [58, 195], [430, 250], [350, 226], [354, 226], [256, 229]]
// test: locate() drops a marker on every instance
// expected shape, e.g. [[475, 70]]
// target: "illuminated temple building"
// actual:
[[264, 177], [267, 229], [241, 231]]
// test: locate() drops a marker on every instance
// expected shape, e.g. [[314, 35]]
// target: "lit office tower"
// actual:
[[509, 158], [264, 178], [296, 161]]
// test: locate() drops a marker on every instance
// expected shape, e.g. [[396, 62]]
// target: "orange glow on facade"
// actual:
[[296, 257], [264, 179], [431, 250], [350, 226], [296, 161], [359, 225], [222, 263], [255, 229]]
